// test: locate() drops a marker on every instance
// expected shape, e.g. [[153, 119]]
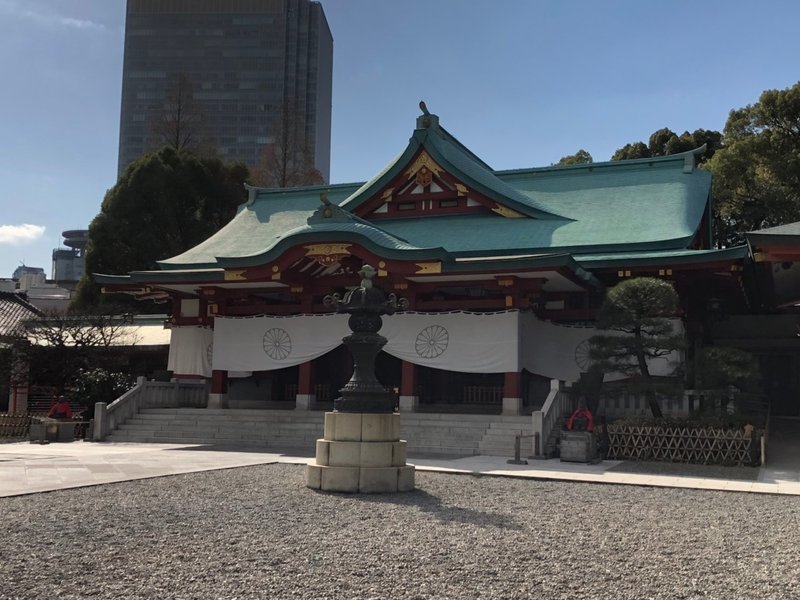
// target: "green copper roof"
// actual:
[[606, 207], [599, 213], [788, 234], [457, 160], [332, 222], [259, 224]]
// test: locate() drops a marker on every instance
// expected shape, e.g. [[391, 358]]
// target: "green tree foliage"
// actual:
[[638, 311], [757, 172], [52, 348], [731, 377], [630, 151], [164, 204], [99, 385], [665, 142], [718, 367], [581, 157]]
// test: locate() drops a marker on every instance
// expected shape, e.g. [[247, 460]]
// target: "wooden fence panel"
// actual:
[[15, 426], [682, 444], [483, 394]]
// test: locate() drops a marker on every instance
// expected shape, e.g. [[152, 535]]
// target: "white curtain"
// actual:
[[562, 351], [190, 351], [270, 343], [500, 342], [457, 341]]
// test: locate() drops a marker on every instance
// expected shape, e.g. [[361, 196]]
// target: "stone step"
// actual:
[[196, 438], [220, 421], [440, 450], [444, 434]]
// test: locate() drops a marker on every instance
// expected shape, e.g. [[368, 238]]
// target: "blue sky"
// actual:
[[520, 82]]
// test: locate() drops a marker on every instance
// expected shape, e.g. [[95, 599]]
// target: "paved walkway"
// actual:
[[27, 468]]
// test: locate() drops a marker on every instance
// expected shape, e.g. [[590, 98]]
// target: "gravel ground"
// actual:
[[258, 532]]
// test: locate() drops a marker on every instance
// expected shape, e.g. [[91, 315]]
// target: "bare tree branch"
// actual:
[[288, 161]]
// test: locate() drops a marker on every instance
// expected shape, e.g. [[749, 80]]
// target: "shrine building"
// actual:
[[503, 272]]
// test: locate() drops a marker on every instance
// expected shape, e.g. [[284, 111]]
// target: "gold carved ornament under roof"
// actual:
[[327, 254], [506, 212], [425, 161], [235, 275], [428, 268]]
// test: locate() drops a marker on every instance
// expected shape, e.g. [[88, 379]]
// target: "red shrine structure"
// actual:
[[503, 272]]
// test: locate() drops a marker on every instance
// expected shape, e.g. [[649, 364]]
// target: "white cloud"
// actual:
[[50, 20], [80, 23], [20, 234]]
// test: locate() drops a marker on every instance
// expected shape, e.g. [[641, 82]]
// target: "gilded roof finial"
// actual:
[[323, 197]]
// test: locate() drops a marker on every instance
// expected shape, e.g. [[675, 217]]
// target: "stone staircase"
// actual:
[[499, 438], [427, 434]]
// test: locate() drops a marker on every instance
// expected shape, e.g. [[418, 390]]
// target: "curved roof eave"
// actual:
[[557, 260], [147, 277], [311, 236], [675, 244], [674, 257]]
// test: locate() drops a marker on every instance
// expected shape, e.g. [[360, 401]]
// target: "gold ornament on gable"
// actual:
[[424, 177], [327, 254], [424, 160]]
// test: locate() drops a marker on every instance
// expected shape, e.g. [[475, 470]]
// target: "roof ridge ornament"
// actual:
[[427, 120], [328, 210]]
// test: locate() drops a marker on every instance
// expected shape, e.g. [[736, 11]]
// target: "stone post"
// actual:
[[100, 428]]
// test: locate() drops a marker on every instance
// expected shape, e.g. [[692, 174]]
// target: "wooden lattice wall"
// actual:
[[15, 426], [683, 444]]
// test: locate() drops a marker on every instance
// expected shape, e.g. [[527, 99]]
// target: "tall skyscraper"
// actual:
[[231, 76]]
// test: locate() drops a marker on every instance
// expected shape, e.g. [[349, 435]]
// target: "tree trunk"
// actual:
[[652, 401], [655, 407]]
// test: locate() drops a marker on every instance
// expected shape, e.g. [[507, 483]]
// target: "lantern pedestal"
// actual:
[[361, 453]]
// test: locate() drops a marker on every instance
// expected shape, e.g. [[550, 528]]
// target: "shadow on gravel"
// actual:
[[302, 453], [433, 505]]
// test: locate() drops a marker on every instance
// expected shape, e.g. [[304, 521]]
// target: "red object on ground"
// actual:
[[581, 413], [60, 410]]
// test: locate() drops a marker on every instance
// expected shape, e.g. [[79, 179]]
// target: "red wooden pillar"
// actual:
[[218, 398], [409, 401], [305, 386], [512, 393], [219, 382]]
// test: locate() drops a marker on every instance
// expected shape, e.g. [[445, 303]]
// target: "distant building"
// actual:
[[244, 62], [45, 295], [68, 263], [23, 270]]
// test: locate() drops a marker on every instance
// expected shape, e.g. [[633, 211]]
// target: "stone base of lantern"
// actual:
[[361, 453]]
